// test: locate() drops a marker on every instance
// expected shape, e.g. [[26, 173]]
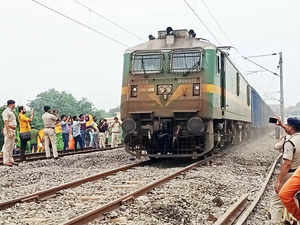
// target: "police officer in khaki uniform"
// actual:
[[50, 121], [115, 130], [9, 132], [290, 147]]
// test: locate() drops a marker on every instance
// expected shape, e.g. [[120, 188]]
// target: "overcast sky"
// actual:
[[40, 50]]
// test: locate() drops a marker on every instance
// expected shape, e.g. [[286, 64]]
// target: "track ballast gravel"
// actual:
[[197, 197], [200, 196]]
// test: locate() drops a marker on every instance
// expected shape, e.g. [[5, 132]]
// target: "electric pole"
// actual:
[[280, 75], [281, 88]]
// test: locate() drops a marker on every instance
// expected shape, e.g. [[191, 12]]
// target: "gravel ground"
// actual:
[[71, 202], [197, 197], [200, 196], [34, 176], [261, 211]]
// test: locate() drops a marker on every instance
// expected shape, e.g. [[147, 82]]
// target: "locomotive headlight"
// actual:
[[133, 91], [164, 89], [196, 89], [195, 126]]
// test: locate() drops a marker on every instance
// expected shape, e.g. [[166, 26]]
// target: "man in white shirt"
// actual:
[[115, 130]]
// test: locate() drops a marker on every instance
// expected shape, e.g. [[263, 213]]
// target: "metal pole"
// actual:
[[281, 88]]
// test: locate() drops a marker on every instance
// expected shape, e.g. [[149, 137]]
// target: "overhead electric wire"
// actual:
[[235, 48], [80, 23], [216, 21], [110, 21], [255, 56], [201, 21], [264, 68], [229, 39]]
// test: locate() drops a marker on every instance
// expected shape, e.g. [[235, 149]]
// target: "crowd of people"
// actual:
[[92, 135], [84, 131]]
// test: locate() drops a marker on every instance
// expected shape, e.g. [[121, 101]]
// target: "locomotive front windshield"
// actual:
[[146, 63], [186, 61]]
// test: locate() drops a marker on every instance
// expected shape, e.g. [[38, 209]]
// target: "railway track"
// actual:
[[83, 198], [134, 180], [239, 212], [127, 198], [39, 196], [42, 155]]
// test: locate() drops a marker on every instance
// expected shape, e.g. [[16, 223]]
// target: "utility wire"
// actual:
[[255, 56], [81, 23], [237, 50], [201, 21], [110, 21], [229, 39], [225, 34], [216, 21], [264, 68]]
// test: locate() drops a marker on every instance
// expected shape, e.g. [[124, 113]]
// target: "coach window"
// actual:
[[248, 95], [146, 63], [185, 61], [237, 84]]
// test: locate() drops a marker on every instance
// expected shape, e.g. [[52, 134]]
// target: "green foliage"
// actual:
[[65, 103], [99, 114], [113, 111]]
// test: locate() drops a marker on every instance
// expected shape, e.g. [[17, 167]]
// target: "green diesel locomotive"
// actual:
[[181, 97]]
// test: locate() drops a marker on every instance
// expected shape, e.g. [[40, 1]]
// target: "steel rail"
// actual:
[[96, 213], [249, 210], [49, 192], [61, 152], [233, 212], [241, 210], [42, 155]]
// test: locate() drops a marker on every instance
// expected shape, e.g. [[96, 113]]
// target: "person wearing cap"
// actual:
[[287, 183], [291, 160], [50, 121], [115, 130], [9, 132]]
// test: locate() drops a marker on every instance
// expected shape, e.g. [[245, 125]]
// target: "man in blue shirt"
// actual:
[[65, 130]]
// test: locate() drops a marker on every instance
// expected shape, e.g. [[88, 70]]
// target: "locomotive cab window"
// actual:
[[146, 63], [185, 61]]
